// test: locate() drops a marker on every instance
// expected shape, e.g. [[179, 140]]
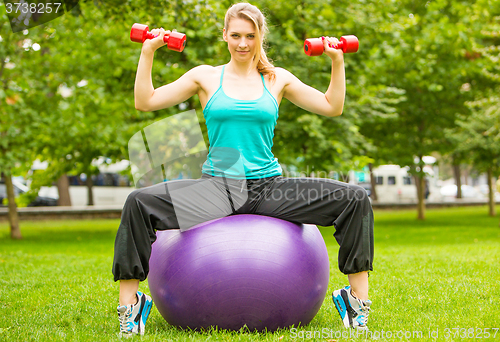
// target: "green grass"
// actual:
[[56, 284]]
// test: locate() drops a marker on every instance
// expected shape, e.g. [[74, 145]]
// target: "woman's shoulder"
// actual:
[[205, 68], [282, 72], [204, 71], [282, 75]]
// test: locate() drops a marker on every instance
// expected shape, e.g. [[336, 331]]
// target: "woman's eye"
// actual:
[[234, 36], [251, 36]]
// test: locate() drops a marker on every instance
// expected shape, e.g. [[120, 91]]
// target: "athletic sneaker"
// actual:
[[353, 311], [133, 316]]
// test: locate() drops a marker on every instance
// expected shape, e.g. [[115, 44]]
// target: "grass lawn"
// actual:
[[430, 276]]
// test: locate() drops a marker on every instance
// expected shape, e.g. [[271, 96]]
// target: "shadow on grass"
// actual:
[[159, 326]]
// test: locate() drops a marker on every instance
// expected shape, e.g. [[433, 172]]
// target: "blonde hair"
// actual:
[[249, 12]]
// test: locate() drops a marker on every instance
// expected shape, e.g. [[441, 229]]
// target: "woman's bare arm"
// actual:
[[146, 97], [330, 103]]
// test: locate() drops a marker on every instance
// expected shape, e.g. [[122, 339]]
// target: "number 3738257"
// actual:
[[471, 333], [24, 7]]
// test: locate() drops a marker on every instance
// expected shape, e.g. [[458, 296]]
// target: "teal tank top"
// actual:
[[240, 135]]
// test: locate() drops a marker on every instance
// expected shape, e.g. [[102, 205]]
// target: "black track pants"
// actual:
[[181, 204]]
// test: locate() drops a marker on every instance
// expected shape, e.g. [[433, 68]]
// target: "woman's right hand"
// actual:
[[151, 45]]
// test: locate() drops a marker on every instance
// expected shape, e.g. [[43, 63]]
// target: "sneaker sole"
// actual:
[[147, 311], [341, 307]]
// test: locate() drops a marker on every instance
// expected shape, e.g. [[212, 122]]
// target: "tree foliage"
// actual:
[[477, 137], [70, 101]]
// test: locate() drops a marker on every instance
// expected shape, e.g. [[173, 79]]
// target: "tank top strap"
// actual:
[[263, 82], [221, 75], [265, 88]]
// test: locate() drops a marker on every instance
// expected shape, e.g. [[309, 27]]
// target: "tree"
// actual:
[[22, 94], [478, 136], [426, 57], [479, 140], [93, 77]]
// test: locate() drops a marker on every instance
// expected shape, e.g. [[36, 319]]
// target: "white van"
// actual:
[[394, 184]]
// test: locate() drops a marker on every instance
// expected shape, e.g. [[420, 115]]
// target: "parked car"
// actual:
[[20, 188], [449, 192]]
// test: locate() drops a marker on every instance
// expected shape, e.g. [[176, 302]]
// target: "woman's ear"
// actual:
[[224, 36]]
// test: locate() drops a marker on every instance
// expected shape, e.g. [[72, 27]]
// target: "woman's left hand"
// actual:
[[331, 51]]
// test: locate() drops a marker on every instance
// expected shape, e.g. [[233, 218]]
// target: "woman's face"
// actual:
[[241, 39]]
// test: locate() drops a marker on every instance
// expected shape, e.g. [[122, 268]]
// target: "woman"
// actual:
[[240, 102]]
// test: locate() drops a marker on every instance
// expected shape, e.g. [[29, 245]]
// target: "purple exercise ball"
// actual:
[[253, 270]]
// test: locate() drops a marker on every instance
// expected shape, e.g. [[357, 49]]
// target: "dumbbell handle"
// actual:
[[315, 47], [175, 40]]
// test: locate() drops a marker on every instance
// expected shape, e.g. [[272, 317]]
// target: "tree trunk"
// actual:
[[15, 231], [458, 180], [63, 190], [491, 192], [89, 190], [373, 183], [420, 183]]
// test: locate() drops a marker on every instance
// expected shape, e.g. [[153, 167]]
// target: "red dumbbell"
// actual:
[[315, 47], [176, 41]]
